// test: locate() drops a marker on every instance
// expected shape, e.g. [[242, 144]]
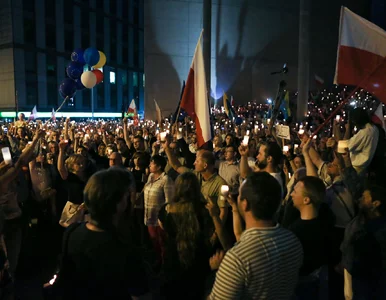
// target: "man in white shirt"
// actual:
[[362, 145], [269, 158]]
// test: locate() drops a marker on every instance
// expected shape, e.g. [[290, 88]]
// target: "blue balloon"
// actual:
[[67, 88], [77, 55], [91, 56], [238, 121], [79, 85], [74, 70]]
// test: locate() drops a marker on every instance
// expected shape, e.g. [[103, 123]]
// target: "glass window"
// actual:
[[143, 79], [135, 79], [86, 94], [113, 50], [112, 76], [52, 92], [29, 5], [68, 40], [85, 19], [125, 10], [50, 37], [113, 7], [68, 11], [29, 31], [85, 40], [30, 61], [31, 90], [101, 96], [51, 66], [113, 97], [50, 9], [100, 43], [125, 55], [100, 24]]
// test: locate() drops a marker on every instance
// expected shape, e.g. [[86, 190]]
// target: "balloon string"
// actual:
[[64, 101]]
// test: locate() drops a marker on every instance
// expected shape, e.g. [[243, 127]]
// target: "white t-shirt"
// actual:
[[362, 147]]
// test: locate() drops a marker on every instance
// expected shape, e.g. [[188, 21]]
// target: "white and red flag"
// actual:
[[361, 54], [34, 114], [195, 98]]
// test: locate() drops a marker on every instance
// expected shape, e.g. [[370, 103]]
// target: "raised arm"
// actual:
[[61, 167], [173, 160], [310, 167], [245, 170], [24, 159], [125, 134]]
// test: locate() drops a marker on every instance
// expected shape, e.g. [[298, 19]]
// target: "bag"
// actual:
[[72, 213]]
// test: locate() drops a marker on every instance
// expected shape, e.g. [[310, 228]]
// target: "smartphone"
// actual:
[[7, 155]]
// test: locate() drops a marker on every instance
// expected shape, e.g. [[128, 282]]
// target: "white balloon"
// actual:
[[88, 79]]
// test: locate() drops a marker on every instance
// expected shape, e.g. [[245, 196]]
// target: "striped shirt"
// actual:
[[157, 192], [264, 264]]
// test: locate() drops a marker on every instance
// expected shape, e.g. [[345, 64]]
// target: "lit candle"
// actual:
[[285, 148], [337, 118], [224, 190], [296, 146], [163, 136], [301, 131], [245, 140]]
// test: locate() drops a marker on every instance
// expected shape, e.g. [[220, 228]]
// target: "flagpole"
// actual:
[[339, 107]]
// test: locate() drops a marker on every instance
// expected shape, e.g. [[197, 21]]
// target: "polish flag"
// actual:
[[34, 114], [378, 117], [195, 98], [361, 54]]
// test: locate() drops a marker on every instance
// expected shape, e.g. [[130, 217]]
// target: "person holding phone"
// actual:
[[9, 202]]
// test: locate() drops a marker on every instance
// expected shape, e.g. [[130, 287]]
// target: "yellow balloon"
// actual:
[[101, 62]]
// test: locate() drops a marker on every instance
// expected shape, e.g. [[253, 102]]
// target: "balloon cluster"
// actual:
[[78, 80]]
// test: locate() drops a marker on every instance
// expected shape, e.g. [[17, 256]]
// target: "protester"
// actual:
[[98, 263], [266, 260]]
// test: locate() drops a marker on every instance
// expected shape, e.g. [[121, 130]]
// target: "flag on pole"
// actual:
[[361, 54], [319, 81], [158, 111], [228, 108], [132, 112], [177, 118], [287, 104], [34, 114], [53, 117], [195, 98], [232, 101], [378, 117]]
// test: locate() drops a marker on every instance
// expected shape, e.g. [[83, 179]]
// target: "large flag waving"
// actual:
[[195, 98], [361, 54], [132, 112]]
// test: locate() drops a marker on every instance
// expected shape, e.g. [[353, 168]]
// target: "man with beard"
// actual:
[[364, 248], [265, 262], [268, 158]]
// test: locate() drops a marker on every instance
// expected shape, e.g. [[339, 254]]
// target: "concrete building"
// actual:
[[36, 41], [250, 39]]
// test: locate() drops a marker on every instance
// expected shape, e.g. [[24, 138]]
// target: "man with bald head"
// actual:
[[115, 160]]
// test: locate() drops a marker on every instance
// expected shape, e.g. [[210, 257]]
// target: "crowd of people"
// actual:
[[145, 212]]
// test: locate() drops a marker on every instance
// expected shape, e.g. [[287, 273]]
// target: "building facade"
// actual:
[[37, 38], [249, 40]]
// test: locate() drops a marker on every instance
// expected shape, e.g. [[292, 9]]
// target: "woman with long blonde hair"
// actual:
[[188, 227]]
